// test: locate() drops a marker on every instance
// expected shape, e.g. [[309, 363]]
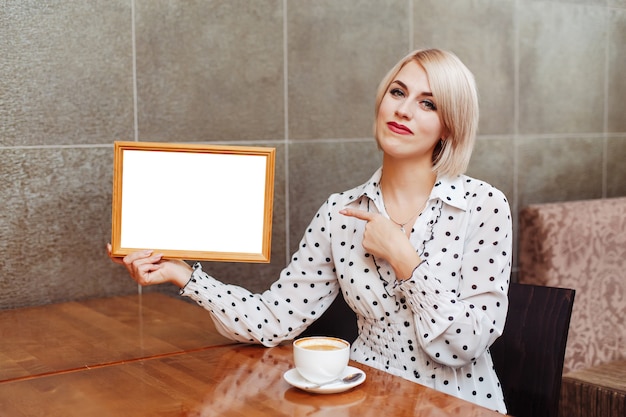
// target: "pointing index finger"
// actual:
[[359, 214]]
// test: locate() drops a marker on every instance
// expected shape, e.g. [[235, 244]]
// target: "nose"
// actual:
[[404, 110]]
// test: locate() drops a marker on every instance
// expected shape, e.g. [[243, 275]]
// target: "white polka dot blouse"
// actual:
[[434, 328]]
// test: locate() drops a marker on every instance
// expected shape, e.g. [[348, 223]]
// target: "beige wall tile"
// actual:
[[56, 206], [65, 72], [562, 68], [320, 169], [617, 66], [616, 169], [571, 169], [338, 53], [210, 70]]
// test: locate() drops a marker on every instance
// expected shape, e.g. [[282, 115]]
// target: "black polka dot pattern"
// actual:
[[434, 328]]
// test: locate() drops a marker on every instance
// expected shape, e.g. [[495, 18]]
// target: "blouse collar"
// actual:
[[450, 190]]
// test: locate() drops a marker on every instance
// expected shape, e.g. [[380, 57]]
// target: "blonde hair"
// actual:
[[454, 89]]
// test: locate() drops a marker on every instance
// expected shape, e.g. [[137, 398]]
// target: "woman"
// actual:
[[420, 252]]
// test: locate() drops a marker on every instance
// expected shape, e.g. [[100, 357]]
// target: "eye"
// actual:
[[397, 92], [428, 105]]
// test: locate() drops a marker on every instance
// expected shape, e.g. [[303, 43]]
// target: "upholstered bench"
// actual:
[[596, 391], [582, 245]]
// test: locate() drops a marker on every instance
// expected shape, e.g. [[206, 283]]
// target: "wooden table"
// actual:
[[159, 356], [56, 338]]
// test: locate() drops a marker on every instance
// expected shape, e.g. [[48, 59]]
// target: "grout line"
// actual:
[[286, 130], [516, 103], [570, 135], [134, 59], [605, 121], [78, 145], [411, 26], [516, 135], [331, 140]]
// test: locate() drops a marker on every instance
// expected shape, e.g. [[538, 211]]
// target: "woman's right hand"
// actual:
[[148, 268], [384, 239]]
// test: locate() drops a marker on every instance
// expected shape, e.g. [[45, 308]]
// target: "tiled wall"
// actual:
[[299, 75]]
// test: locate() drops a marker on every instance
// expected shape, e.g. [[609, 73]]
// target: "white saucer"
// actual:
[[294, 378]]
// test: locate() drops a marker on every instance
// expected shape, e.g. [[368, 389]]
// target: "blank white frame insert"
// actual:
[[200, 202]]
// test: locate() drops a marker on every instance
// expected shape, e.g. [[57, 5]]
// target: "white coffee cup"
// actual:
[[321, 359]]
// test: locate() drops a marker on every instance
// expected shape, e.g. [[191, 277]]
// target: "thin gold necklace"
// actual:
[[409, 219]]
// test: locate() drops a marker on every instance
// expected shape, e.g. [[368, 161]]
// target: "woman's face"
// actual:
[[408, 124]]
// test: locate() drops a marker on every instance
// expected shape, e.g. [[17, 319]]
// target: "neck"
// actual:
[[406, 188], [406, 182]]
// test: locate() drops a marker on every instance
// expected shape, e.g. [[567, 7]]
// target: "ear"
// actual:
[[444, 133]]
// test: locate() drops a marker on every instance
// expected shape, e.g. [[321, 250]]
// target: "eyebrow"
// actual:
[[403, 85]]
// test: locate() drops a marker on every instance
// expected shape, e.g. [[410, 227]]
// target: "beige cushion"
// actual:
[[581, 245]]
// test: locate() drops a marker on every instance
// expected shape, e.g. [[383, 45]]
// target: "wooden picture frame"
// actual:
[[193, 201]]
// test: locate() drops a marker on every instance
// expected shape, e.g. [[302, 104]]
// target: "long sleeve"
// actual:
[[455, 326], [305, 289]]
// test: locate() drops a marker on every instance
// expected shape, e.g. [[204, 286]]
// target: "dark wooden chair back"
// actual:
[[528, 357], [337, 321]]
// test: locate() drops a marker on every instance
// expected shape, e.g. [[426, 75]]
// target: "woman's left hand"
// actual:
[[384, 239]]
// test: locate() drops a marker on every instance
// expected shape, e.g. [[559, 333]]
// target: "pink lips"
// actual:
[[398, 128]]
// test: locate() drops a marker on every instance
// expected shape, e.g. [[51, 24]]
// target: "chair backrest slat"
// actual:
[[529, 355]]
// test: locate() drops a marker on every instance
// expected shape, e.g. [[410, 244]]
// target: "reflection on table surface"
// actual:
[[217, 379], [236, 380], [81, 334]]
